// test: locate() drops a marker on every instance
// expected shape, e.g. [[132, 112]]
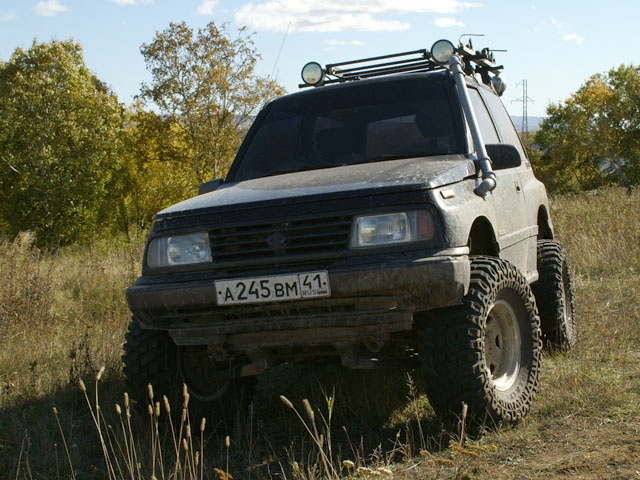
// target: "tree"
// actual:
[[593, 138], [205, 83], [59, 141], [154, 174]]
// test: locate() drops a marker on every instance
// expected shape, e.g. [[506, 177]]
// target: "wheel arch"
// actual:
[[545, 229], [482, 238]]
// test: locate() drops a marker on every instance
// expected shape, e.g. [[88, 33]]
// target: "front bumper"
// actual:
[[373, 298]]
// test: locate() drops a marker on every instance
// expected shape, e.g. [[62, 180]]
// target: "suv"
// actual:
[[387, 217]]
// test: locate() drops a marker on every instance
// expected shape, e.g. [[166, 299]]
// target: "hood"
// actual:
[[338, 182]]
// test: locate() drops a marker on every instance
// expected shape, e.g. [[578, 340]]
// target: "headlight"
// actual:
[[179, 250], [392, 228]]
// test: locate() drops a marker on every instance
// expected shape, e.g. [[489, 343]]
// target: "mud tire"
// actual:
[[459, 363], [151, 357], [554, 296]]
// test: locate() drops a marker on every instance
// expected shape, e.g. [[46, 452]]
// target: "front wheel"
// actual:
[[151, 357], [486, 352]]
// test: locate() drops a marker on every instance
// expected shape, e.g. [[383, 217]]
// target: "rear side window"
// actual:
[[503, 122], [487, 129]]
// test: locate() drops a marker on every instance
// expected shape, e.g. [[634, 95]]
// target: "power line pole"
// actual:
[[525, 100]]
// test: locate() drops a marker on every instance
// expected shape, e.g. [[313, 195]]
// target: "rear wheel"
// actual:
[[485, 352], [554, 296]]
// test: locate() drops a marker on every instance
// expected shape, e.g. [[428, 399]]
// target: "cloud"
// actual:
[[446, 22], [339, 16], [50, 8], [566, 36], [131, 2], [573, 36], [7, 17], [206, 8], [333, 44]]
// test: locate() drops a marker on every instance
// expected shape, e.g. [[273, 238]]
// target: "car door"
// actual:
[[506, 202]]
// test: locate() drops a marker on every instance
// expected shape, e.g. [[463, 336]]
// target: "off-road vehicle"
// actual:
[[387, 217]]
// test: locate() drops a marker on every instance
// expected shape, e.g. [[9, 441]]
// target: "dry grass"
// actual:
[[63, 316]]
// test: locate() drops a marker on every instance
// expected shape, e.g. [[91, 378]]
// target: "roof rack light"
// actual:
[[480, 62], [441, 51], [312, 73]]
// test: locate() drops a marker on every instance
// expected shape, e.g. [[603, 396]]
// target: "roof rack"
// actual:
[[479, 62]]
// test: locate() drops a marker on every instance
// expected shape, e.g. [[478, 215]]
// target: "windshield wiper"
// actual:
[[399, 156]]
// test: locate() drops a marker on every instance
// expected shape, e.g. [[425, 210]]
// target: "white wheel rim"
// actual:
[[502, 345]]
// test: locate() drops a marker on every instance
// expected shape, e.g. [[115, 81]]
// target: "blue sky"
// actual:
[[555, 45]]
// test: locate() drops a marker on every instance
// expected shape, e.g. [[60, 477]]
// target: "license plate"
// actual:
[[273, 289]]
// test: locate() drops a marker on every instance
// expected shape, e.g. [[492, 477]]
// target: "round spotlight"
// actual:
[[441, 51], [312, 73], [499, 85]]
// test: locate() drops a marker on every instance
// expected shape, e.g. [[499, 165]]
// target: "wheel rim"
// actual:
[[201, 375], [502, 345]]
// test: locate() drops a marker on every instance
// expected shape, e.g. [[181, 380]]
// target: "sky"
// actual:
[[554, 45]]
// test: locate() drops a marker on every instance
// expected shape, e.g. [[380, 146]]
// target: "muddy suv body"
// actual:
[[361, 220]]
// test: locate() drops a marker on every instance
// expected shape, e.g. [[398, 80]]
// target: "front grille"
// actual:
[[270, 240]]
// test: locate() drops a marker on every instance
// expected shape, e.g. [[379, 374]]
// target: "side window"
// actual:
[[487, 129], [503, 122]]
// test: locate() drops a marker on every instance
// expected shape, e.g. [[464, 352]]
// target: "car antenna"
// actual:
[[280, 51]]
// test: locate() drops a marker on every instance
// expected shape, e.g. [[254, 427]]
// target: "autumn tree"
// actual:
[[59, 141], [153, 175], [593, 138], [205, 82]]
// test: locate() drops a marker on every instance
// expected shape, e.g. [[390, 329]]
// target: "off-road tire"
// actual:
[[554, 296], [459, 348], [151, 357]]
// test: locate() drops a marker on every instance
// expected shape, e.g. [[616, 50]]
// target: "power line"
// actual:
[[525, 100]]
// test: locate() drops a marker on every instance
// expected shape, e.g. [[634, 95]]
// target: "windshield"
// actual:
[[359, 123]]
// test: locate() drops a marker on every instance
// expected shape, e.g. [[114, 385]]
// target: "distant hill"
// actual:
[[534, 122]]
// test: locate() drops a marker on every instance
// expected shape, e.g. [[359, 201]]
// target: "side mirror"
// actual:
[[503, 156], [210, 186]]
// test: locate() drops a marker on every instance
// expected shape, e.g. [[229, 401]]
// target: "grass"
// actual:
[[63, 317]]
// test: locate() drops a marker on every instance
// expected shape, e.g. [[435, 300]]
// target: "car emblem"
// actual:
[[276, 241]]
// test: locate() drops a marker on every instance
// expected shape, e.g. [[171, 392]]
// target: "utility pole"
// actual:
[[525, 100]]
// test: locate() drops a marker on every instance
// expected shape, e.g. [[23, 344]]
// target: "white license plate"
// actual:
[[273, 289]]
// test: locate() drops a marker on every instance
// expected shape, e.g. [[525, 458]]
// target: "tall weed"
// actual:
[[600, 230], [25, 283]]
